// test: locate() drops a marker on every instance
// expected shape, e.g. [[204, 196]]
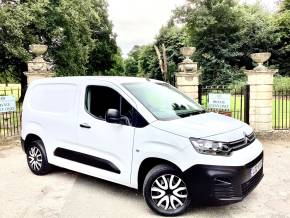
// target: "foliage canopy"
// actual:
[[81, 41], [225, 34], [142, 60], [78, 34]]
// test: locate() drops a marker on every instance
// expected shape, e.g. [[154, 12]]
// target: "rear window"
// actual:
[[53, 98]]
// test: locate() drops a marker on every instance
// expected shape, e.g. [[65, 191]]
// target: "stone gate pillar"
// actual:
[[38, 68], [187, 77], [260, 80]]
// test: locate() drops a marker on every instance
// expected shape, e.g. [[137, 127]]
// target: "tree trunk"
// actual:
[[162, 62], [165, 64], [23, 82], [160, 59]]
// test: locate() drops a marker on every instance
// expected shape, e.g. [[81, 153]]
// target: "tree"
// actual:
[[225, 33], [106, 57], [81, 37], [257, 33], [143, 60], [148, 63], [78, 34], [282, 49], [131, 66], [213, 27], [132, 62], [163, 64], [118, 67], [20, 24], [70, 35], [173, 38]]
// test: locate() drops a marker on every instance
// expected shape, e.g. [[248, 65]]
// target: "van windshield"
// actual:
[[164, 101]]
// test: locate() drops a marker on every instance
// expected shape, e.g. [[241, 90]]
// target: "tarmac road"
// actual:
[[64, 193]]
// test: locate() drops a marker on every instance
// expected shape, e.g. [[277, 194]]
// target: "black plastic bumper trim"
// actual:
[[86, 159], [222, 184]]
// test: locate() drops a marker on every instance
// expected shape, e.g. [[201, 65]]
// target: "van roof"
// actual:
[[78, 79]]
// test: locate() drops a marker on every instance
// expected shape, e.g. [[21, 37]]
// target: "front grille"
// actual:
[[224, 190], [247, 187], [242, 143]]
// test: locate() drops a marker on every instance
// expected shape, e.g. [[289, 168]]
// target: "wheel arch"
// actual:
[[147, 164], [28, 139]]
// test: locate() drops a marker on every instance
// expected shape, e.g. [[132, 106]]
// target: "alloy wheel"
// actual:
[[35, 158], [169, 192]]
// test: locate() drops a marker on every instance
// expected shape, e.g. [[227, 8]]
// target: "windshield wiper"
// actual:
[[191, 113]]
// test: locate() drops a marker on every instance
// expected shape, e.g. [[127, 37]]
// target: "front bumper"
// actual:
[[222, 184]]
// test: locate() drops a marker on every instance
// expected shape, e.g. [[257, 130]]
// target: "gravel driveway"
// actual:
[[67, 194]]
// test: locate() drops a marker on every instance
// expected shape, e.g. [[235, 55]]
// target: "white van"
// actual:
[[140, 133]]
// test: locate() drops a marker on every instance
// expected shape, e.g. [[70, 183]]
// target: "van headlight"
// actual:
[[210, 147]]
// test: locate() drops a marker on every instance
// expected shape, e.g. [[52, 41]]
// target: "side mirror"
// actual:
[[113, 116]]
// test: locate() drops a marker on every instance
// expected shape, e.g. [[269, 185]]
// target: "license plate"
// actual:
[[255, 169]]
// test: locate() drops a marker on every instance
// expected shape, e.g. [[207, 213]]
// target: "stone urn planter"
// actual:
[[38, 68], [187, 52], [187, 65], [260, 59], [38, 50]]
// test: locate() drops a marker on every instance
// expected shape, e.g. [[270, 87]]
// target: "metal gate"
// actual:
[[10, 121], [239, 98], [281, 109]]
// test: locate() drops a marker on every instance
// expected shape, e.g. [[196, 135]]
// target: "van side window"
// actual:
[[100, 98], [126, 110], [138, 120]]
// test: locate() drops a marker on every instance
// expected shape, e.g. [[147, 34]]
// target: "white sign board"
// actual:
[[7, 104], [219, 101]]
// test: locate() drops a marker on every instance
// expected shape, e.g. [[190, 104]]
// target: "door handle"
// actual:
[[85, 125]]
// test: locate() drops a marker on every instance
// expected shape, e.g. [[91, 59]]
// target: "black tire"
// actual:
[[152, 185], [37, 159]]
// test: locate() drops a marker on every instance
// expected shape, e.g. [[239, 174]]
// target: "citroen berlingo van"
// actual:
[[140, 133]]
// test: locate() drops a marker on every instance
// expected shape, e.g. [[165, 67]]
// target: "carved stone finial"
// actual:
[[38, 68], [187, 52], [38, 50], [260, 59], [187, 65]]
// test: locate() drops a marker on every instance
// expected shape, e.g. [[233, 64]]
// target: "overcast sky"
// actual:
[[137, 22]]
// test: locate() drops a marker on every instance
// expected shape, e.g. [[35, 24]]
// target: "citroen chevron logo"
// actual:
[[246, 138]]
